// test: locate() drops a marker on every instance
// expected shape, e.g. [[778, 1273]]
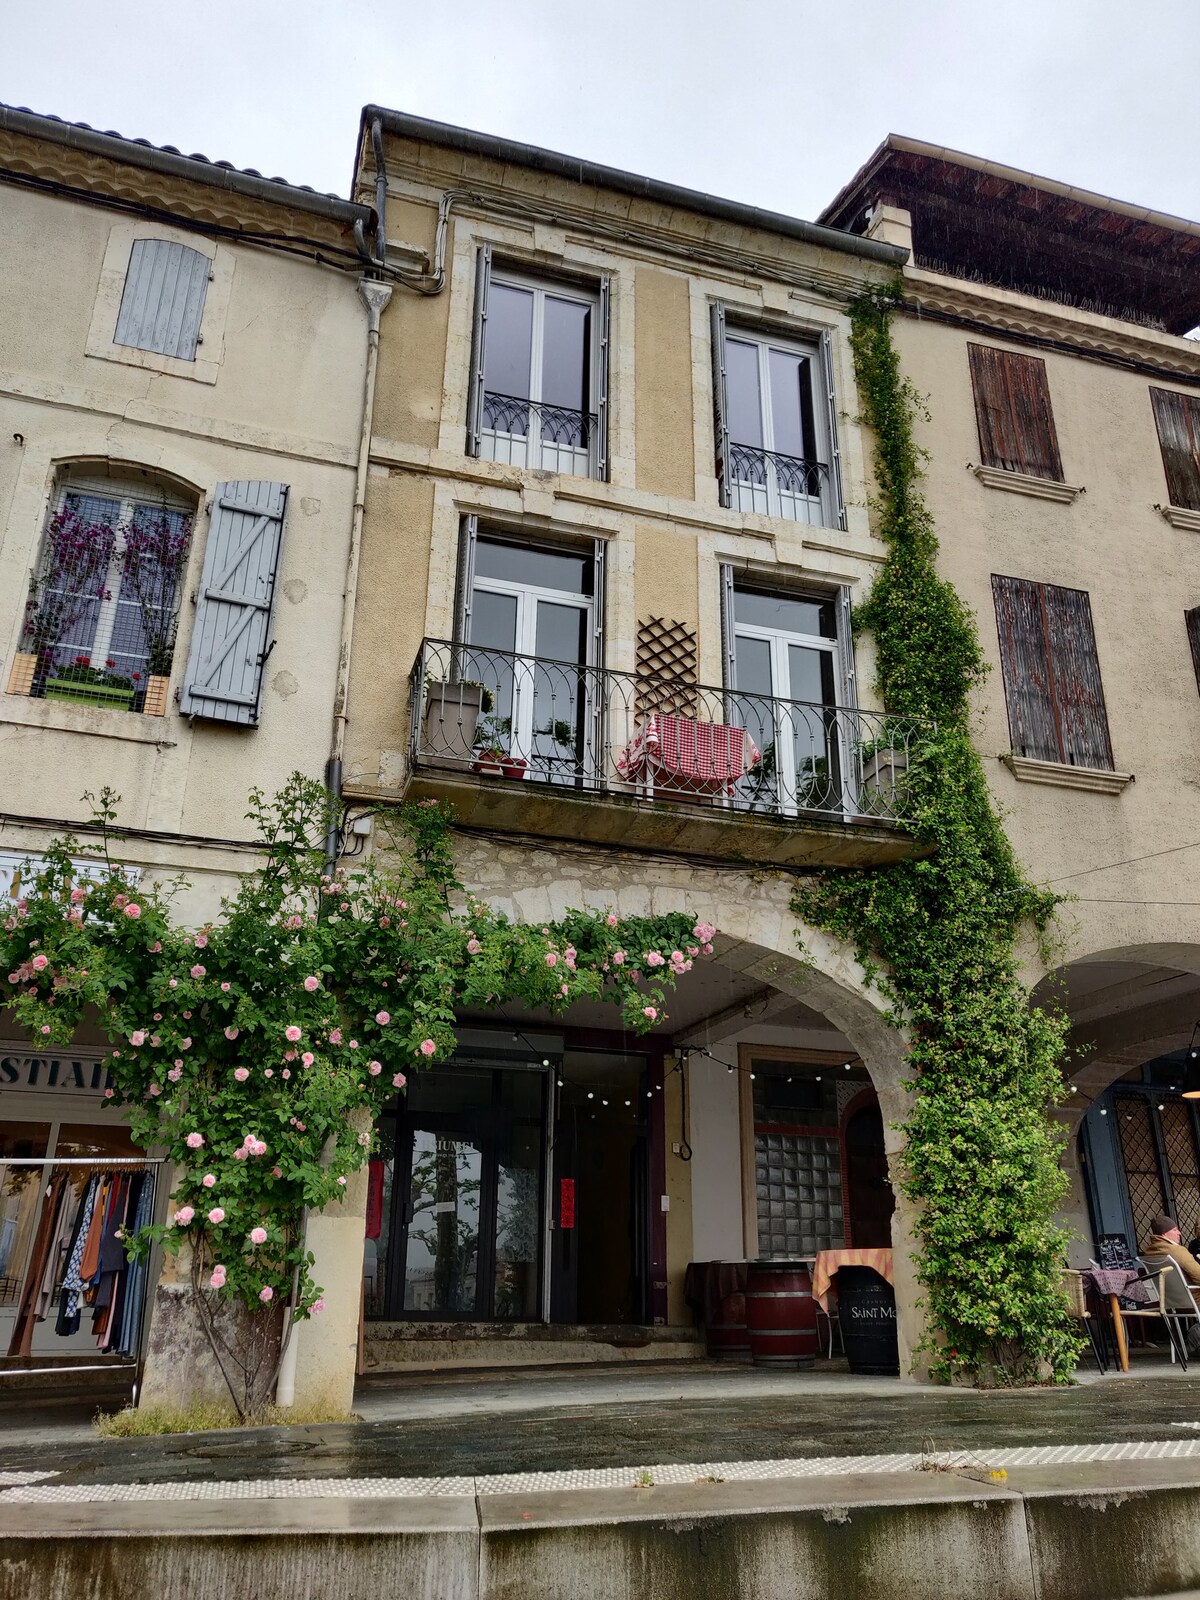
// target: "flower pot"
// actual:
[[92, 694], [487, 767], [448, 724], [155, 703], [20, 677], [514, 767], [885, 775]]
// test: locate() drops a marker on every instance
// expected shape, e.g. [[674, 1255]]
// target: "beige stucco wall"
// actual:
[[280, 399]]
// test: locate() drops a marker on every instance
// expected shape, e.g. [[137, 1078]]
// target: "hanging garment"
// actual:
[[90, 1263], [375, 1175], [58, 1252], [21, 1343], [128, 1341], [73, 1281], [62, 1325]]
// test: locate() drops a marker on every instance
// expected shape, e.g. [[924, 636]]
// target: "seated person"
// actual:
[[1166, 1243]]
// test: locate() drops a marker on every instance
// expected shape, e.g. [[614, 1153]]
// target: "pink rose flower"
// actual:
[[175, 1074], [266, 1294], [307, 1059], [154, 1089], [201, 940], [179, 1063], [185, 1044], [618, 957], [292, 1033], [217, 1280], [137, 1037], [649, 1011], [209, 1180], [311, 983], [708, 950], [78, 896], [40, 963], [241, 1074], [383, 1018], [285, 1074], [342, 1183], [611, 920], [258, 1236], [224, 988], [133, 910], [172, 983], [335, 1036], [217, 1214], [184, 1215], [197, 971], [399, 1081], [354, 1044], [317, 1307], [551, 959], [704, 932], [374, 1068], [45, 1028], [474, 946], [194, 1141], [427, 1047], [231, 1032], [653, 959], [108, 1094]]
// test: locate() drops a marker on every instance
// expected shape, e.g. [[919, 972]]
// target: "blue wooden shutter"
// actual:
[[232, 632], [163, 300]]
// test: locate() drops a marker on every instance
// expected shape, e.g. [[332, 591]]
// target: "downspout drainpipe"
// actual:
[[375, 297]]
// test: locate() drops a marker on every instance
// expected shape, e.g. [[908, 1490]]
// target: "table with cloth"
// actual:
[[828, 1262], [684, 756], [1115, 1284]]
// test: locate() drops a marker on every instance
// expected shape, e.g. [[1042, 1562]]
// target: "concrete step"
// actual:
[[441, 1346]]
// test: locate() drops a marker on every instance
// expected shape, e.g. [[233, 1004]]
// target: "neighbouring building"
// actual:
[[183, 354], [616, 524], [1049, 330]]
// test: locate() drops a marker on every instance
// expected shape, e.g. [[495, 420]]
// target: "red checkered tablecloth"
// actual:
[[828, 1261], [709, 754]]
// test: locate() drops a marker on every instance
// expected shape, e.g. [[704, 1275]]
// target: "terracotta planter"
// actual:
[[486, 767], [514, 767], [20, 677], [155, 703]]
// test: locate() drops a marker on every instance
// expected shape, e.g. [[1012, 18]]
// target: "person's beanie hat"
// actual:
[[1162, 1223]]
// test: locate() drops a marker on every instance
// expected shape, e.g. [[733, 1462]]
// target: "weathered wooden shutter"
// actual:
[[720, 401], [728, 638], [602, 384], [1026, 670], [1077, 686], [1013, 411], [1177, 418], [464, 579], [835, 455], [163, 300], [1192, 623], [483, 284], [231, 636]]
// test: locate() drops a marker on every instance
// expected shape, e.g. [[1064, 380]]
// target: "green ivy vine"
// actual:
[[938, 936]]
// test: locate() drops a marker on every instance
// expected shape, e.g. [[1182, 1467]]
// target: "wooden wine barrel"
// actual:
[[867, 1321], [726, 1337], [781, 1314]]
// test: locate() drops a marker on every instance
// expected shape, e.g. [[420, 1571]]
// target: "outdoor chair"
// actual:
[[1176, 1307], [1077, 1305], [832, 1324]]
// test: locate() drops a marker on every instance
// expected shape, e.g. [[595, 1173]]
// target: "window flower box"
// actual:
[[155, 703], [94, 694], [21, 674]]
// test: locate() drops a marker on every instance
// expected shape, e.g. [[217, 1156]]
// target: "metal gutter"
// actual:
[[195, 169], [513, 153]]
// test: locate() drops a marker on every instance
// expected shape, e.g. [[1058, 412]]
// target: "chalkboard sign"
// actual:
[[1112, 1251]]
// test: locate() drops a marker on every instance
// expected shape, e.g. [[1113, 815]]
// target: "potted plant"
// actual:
[[884, 769], [156, 548], [76, 557], [82, 682], [492, 737], [450, 721]]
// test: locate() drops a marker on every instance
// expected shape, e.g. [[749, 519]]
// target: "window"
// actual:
[[785, 665], [539, 381], [1051, 674], [1191, 620], [776, 438], [529, 617], [163, 300], [102, 612], [1012, 409], [1177, 418]]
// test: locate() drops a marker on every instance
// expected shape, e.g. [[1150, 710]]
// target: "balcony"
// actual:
[[532, 433], [561, 750], [775, 485]]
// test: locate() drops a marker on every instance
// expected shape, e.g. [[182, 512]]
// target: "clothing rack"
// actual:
[[49, 1165]]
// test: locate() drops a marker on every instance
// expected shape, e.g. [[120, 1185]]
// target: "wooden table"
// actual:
[[1113, 1282]]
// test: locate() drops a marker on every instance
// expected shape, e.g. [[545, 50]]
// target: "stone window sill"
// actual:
[[102, 721], [1022, 483], [1181, 517], [1099, 780]]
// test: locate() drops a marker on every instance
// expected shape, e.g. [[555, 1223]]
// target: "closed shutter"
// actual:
[[1013, 412], [483, 283], [1177, 418], [163, 300], [835, 455], [845, 632], [602, 385], [1051, 673], [231, 636], [720, 402], [1192, 623], [728, 637], [1078, 690]]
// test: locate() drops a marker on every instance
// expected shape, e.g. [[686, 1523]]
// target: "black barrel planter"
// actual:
[[867, 1318]]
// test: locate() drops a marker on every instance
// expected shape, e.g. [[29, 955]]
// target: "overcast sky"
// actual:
[[770, 102]]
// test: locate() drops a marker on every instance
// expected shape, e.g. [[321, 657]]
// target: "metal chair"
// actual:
[[1077, 1305], [1176, 1307]]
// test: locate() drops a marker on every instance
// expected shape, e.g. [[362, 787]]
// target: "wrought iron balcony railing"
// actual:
[[501, 715], [533, 433], [777, 485]]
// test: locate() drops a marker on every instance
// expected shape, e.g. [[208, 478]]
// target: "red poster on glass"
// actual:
[[566, 1202]]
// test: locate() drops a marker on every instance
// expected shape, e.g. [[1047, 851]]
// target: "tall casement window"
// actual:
[[787, 668], [776, 425], [1013, 413], [539, 379], [1177, 418], [104, 601], [163, 301], [1051, 674], [530, 619]]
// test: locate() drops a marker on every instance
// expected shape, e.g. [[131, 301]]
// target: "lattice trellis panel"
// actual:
[[666, 667], [1146, 1196], [1175, 1119]]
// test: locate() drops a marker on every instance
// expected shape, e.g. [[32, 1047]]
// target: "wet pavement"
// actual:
[[418, 1426]]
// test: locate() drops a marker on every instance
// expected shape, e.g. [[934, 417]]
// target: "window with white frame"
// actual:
[[776, 432], [103, 605], [539, 379]]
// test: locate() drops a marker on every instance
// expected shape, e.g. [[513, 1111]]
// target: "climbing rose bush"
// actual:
[[258, 1049]]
